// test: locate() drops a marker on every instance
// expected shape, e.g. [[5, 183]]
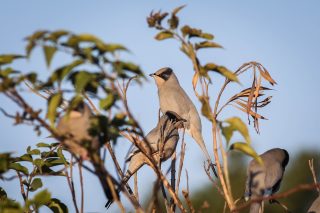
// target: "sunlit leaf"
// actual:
[[35, 184], [42, 198], [19, 167], [236, 124], [57, 206], [246, 149], [9, 58], [207, 44], [193, 32], [63, 71], [54, 36], [34, 152], [108, 102], [222, 70], [53, 103], [164, 35], [41, 144], [205, 107], [49, 52]]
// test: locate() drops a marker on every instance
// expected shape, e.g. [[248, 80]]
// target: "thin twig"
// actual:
[[311, 166], [136, 191], [81, 185], [71, 185]]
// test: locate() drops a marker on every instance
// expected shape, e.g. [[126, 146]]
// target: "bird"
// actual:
[[264, 179], [165, 130], [172, 97], [74, 126], [315, 207]]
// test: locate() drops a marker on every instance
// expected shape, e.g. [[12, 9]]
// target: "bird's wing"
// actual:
[[273, 176]]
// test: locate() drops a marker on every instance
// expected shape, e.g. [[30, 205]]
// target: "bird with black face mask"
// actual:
[[172, 97], [265, 179], [315, 207], [74, 127], [167, 131]]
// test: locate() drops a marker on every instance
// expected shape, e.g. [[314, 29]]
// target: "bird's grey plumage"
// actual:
[[74, 127], [172, 97], [315, 207], [167, 131], [265, 179]]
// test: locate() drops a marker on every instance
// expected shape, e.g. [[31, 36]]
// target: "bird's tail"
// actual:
[[255, 207], [199, 139]]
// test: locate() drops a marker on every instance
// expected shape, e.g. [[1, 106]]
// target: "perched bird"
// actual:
[[265, 179], [165, 133], [315, 207], [173, 98], [74, 127]]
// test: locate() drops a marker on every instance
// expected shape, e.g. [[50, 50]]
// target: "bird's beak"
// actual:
[[152, 74]]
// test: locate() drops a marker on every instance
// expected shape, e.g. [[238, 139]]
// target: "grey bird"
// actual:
[[167, 131], [74, 128], [172, 97], [315, 207], [265, 179]]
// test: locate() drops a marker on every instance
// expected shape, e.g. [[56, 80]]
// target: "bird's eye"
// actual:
[[166, 74]]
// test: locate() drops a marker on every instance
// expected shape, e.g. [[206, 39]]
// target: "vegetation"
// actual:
[[97, 75]]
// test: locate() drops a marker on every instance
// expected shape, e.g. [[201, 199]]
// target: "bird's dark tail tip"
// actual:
[[108, 204]]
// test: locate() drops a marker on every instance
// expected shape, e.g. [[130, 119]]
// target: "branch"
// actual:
[[296, 189]]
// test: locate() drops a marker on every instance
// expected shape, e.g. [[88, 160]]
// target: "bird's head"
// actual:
[[163, 75]]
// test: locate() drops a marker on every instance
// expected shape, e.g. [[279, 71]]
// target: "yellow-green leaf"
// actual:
[[236, 124], [57, 206], [18, 167], [41, 198], [49, 52], [222, 70], [246, 149], [53, 103], [107, 102], [164, 35], [36, 184], [205, 107], [207, 44], [9, 58]]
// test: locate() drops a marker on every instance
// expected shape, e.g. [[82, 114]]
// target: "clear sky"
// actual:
[[282, 35]]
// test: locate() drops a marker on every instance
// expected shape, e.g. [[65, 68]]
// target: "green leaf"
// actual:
[[246, 149], [34, 152], [9, 58], [57, 206], [207, 44], [112, 48], [235, 124], [205, 107], [222, 70], [41, 144], [35, 184], [54, 36], [53, 103], [108, 102], [26, 157], [82, 79], [61, 156], [164, 35], [60, 73], [3, 194], [49, 52], [42, 198], [4, 162], [19, 167]]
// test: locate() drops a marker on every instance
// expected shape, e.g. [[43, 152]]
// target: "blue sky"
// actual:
[[282, 35]]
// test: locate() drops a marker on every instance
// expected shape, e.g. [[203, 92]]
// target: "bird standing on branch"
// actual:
[[165, 134], [172, 97], [265, 179], [74, 128]]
